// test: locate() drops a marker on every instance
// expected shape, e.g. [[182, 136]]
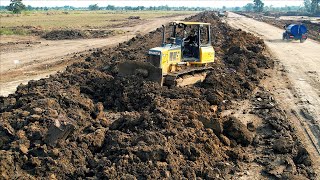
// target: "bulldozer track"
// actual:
[[308, 131], [170, 79]]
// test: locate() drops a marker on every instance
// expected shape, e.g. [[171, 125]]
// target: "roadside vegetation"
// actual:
[[9, 31]]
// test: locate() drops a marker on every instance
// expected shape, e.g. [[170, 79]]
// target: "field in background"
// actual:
[[53, 20]]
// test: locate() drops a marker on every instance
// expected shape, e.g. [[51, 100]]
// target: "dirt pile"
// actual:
[[76, 34], [130, 128], [289, 13], [134, 17]]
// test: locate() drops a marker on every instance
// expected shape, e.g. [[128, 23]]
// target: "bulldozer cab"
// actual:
[[190, 37]]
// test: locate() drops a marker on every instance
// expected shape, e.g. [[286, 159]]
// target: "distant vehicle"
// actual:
[[295, 32], [222, 13]]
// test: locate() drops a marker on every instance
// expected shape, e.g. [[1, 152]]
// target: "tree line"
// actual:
[[16, 6], [310, 6]]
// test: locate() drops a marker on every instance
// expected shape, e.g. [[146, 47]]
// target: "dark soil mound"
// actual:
[[128, 127], [64, 34], [76, 34]]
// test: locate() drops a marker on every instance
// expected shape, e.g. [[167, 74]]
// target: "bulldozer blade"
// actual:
[[143, 69]]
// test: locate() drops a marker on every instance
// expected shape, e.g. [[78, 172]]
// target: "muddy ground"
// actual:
[[129, 128], [313, 28], [294, 81]]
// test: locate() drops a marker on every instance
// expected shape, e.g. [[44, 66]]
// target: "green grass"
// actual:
[[8, 31], [48, 20]]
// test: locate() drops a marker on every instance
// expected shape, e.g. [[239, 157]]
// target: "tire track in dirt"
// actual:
[[298, 60]]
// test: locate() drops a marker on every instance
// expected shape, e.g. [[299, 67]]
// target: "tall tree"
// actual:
[[258, 5], [110, 7], [29, 8], [16, 6], [315, 6], [93, 7], [307, 5], [248, 7]]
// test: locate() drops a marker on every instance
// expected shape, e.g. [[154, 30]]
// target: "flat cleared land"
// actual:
[[80, 19], [38, 58], [297, 85]]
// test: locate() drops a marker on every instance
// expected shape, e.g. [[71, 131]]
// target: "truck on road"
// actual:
[[295, 32]]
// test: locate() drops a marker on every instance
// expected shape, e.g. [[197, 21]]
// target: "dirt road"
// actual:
[[47, 57], [296, 84]]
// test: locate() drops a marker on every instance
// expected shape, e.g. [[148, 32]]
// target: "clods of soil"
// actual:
[[112, 127]]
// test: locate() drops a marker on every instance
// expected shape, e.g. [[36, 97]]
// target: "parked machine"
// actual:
[[182, 61], [295, 32]]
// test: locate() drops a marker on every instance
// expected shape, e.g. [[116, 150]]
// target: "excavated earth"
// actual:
[[63, 33], [76, 34], [129, 128]]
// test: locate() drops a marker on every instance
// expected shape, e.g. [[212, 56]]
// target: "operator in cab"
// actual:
[[192, 38], [191, 44]]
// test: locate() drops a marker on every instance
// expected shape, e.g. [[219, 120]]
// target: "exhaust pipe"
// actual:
[[163, 35]]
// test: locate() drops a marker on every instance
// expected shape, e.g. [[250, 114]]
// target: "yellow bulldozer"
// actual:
[[182, 61]]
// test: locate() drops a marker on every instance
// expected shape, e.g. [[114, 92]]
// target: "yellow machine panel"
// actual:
[[169, 59], [206, 55]]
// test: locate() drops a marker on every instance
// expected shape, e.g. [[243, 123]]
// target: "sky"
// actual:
[[175, 3]]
